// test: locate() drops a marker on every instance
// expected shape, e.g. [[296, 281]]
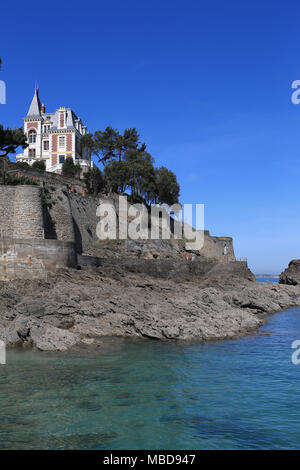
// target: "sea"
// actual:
[[144, 394]]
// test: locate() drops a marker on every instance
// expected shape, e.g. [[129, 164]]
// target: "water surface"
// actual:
[[238, 394], [267, 279]]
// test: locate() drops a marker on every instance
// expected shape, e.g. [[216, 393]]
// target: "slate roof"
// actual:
[[35, 113], [35, 107]]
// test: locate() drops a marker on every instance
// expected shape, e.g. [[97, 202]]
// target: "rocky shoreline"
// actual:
[[74, 307], [291, 275]]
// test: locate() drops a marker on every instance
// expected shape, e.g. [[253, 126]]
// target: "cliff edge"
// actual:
[[291, 275]]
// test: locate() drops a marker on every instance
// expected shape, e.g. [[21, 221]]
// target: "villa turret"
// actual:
[[53, 137]]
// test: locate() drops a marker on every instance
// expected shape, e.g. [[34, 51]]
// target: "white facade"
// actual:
[[53, 137]]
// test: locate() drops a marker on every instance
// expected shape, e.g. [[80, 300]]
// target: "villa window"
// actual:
[[32, 137], [31, 153], [46, 129], [46, 144], [61, 141], [61, 158]]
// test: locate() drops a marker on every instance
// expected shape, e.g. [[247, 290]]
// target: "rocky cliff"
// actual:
[[129, 288], [69, 214], [291, 275], [214, 248]]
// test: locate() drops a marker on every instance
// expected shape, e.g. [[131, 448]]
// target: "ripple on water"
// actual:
[[235, 394]]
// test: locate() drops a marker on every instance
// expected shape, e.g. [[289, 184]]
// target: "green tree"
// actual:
[[127, 165], [106, 145], [88, 141], [94, 180], [116, 176], [39, 165], [110, 145], [22, 165], [10, 140], [147, 181], [141, 174], [78, 170], [130, 140], [69, 168], [167, 186]]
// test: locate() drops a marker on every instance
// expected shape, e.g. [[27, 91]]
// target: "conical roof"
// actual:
[[35, 107]]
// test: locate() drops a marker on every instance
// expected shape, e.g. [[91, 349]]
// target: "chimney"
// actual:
[[43, 109]]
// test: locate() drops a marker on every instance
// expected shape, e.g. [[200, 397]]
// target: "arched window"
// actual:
[[32, 137]]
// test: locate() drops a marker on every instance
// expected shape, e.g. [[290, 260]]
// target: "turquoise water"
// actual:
[[240, 394]]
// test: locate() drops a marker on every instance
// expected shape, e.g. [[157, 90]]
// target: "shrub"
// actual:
[[39, 165], [22, 165], [94, 180], [14, 180]]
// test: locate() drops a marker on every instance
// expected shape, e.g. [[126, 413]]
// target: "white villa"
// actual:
[[53, 137]]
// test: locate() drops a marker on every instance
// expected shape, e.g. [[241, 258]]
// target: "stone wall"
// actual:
[[7, 196], [58, 216], [180, 269], [28, 213], [46, 177], [21, 214], [24, 252], [29, 259], [214, 248], [70, 216], [83, 210], [220, 248]]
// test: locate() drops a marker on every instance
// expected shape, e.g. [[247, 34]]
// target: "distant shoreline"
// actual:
[[273, 276]]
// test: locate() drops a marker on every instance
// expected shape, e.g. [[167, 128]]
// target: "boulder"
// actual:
[[291, 275], [24, 330], [50, 338]]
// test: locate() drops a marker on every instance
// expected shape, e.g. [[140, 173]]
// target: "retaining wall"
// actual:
[[28, 259], [21, 214]]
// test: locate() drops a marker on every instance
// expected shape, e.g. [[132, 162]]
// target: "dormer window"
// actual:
[[32, 137]]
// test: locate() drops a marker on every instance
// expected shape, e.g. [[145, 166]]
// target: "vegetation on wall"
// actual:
[[22, 165], [15, 180]]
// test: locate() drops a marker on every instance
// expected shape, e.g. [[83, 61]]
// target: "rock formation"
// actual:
[[127, 288], [291, 275], [136, 300]]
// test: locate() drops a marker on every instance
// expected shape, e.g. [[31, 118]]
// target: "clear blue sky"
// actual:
[[207, 84]]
